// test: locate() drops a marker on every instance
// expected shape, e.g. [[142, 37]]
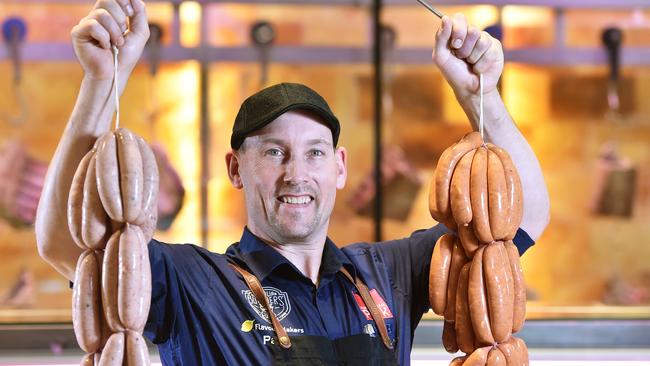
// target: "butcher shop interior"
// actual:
[[576, 81]]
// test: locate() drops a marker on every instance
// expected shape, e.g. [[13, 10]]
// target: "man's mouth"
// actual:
[[296, 200]]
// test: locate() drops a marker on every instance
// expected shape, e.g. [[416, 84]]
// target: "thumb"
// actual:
[[441, 49], [139, 23]]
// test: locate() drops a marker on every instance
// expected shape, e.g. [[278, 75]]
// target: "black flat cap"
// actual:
[[261, 108]]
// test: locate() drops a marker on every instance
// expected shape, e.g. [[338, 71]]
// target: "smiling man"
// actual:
[[285, 294]]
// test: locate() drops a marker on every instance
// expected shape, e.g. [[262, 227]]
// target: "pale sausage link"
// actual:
[[95, 223], [461, 207], [113, 353], [133, 300], [497, 202], [496, 358], [511, 352], [464, 330], [445, 168], [149, 212], [75, 200], [108, 177], [477, 299], [478, 357], [86, 306], [499, 290], [110, 275], [522, 350], [514, 192], [518, 287], [479, 197], [136, 350], [468, 240], [439, 273], [130, 174], [458, 259]]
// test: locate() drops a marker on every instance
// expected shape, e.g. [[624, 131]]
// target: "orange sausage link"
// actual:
[[75, 200], [514, 192], [151, 185], [113, 353], [522, 350], [110, 275], [94, 221], [134, 282], [433, 206], [511, 352], [108, 177], [518, 287], [88, 360], [459, 194], [458, 260], [137, 353], [131, 175], [86, 303], [479, 196], [439, 273], [477, 298], [496, 358], [497, 202], [464, 330], [468, 240], [445, 168], [458, 361], [499, 290], [449, 339], [478, 357]]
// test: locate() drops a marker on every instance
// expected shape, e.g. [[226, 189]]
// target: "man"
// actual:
[[285, 294]]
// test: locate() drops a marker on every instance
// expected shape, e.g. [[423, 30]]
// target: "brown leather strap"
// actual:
[[255, 286], [372, 306]]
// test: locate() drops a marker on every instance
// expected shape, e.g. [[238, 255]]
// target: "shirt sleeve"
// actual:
[[408, 261], [163, 287]]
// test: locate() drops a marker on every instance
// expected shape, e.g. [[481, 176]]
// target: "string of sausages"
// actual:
[[476, 281]]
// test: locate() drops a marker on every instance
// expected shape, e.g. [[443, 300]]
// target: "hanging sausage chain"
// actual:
[[111, 216], [475, 279]]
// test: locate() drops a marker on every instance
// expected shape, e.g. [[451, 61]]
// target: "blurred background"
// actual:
[[576, 81]]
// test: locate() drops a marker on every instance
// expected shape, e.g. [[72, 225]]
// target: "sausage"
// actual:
[[445, 168], [94, 221], [86, 303], [433, 207], [464, 331], [75, 200], [133, 300], [458, 259], [439, 273], [113, 353], [522, 350], [468, 240], [458, 361], [479, 196], [461, 207], [496, 358], [131, 178], [478, 357], [477, 299], [150, 187], [449, 340], [137, 353], [511, 352], [499, 290], [88, 359], [108, 177], [110, 275], [497, 197], [518, 287], [514, 192]]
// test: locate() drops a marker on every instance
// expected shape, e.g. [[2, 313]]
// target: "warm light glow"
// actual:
[[483, 16], [190, 13], [526, 16]]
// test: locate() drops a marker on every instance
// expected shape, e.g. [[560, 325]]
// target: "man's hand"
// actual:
[[462, 52], [119, 22]]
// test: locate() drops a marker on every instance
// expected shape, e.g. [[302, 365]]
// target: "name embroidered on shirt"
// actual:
[[381, 304]]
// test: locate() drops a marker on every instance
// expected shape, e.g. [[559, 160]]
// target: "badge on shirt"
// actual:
[[381, 304], [278, 301]]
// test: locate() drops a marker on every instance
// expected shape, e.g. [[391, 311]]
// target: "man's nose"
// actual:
[[296, 171]]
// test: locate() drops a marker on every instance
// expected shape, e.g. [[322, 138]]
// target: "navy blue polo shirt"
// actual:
[[202, 312]]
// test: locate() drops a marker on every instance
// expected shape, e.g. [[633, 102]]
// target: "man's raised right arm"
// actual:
[[106, 24]]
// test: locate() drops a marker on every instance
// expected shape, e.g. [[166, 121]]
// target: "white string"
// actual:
[[117, 92], [480, 118]]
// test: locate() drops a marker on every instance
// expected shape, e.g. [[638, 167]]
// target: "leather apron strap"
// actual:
[[255, 286]]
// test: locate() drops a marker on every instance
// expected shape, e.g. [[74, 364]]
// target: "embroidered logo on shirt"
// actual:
[[381, 304], [278, 301]]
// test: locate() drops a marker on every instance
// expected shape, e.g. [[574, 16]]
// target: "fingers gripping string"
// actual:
[[117, 92]]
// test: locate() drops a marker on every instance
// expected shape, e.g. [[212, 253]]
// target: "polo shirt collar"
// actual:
[[261, 259]]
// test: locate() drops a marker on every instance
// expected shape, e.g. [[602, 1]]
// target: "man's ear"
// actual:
[[341, 167], [232, 164]]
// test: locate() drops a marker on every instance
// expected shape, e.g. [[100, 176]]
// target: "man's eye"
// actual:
[[274, 152], [317, 153]]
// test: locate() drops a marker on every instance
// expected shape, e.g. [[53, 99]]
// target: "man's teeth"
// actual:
[[296, 200]]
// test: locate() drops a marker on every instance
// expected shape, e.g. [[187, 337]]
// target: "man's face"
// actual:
[[290, 172]]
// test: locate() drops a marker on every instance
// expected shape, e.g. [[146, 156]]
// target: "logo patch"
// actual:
[[278, 301], [381, 304]]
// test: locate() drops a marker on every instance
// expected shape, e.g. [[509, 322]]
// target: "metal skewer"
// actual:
[[431, 9]]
